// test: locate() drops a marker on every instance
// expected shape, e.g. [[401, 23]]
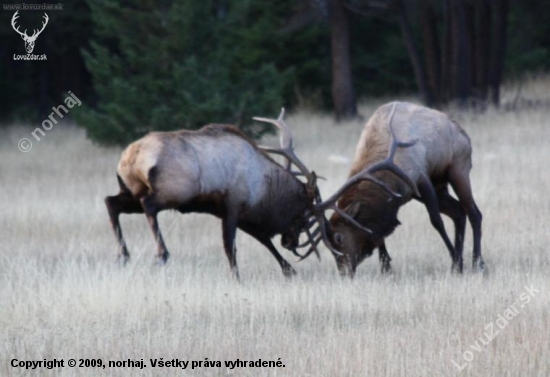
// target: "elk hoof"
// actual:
[[163, 258], [480, 267], [386, 269], [123, 259], [289, 272], [457, 268]]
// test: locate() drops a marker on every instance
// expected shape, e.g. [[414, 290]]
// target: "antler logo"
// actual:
[[29, 40]]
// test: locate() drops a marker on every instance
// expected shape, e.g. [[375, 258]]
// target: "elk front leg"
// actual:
[[429, 198], [452, 208], [385, 260], [121, 203], [288, 271], [229, 225], [151, 208]]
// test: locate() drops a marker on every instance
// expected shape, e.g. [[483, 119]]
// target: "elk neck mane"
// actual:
[[222, 129], [378, 210]]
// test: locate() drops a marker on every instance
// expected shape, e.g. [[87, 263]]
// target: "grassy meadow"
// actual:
[[63, 296]]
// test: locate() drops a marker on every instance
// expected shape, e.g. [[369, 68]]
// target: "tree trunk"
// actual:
[[500, 12], [481, 49], [343, 95], [461, 77], [419, 72], [446, 56], [432, 51]]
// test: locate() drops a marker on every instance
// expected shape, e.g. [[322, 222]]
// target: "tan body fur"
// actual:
[[189, 164], [441, 143]]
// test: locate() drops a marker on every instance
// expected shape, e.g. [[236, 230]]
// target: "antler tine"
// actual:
[[287, 147], [296, 253], [286, 135], [299, 174], [322, 221], [312, 249], [363, 175], [350, 219], [314, 243], [312, 221], [311, 237], [388, 164]]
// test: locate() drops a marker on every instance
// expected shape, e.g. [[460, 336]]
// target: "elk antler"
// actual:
[[287, 150], [287, 144]]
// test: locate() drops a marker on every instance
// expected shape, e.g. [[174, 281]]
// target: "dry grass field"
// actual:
[[63, 296]]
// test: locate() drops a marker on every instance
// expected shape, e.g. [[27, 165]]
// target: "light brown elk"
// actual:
[[215, 170], [438, 154]]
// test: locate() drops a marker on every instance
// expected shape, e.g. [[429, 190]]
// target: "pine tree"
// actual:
[[179, 64]]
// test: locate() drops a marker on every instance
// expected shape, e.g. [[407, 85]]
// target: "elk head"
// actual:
[[29, 40]]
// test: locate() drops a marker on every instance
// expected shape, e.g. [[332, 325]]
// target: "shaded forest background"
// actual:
[[143, 65]]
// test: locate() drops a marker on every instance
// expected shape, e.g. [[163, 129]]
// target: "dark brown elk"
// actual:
[[386, 174], [215, 170]]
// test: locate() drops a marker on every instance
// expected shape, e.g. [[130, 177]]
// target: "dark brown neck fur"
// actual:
[[378, 210]]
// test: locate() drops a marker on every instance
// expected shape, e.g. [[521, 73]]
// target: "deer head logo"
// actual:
[[29, 40]]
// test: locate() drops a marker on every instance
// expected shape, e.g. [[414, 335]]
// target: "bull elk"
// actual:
[[438, 154], [215, 170]]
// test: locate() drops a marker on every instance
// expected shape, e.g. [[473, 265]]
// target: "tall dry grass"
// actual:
[[63, 296]]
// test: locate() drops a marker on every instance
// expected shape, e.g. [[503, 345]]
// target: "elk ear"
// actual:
[[353, 209]]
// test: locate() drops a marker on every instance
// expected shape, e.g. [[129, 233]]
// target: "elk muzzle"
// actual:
[[347, 265]]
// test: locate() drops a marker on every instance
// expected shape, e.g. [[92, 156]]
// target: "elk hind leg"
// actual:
[[121, 203], [460, 182], [429, 198], [152, 207]]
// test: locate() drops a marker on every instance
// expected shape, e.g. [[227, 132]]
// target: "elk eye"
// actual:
[[338, 238]]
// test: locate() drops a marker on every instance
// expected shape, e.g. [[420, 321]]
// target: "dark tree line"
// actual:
[[142, 64], [28, 89], [468, 65], [458, 55]]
